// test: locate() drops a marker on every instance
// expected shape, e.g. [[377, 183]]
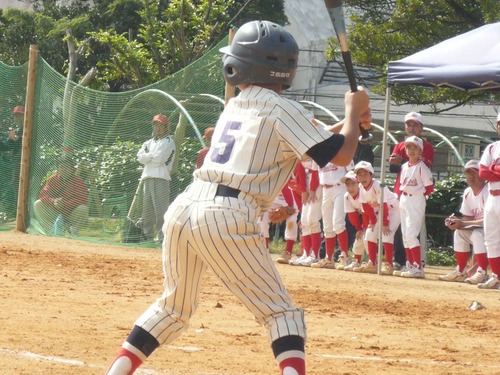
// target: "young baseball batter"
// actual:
[[415, 185], [489, 170], [469, 229], [370, 195], [354, 210], [258, 140]]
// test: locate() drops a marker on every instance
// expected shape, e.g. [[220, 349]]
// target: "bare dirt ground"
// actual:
[[67, 305]]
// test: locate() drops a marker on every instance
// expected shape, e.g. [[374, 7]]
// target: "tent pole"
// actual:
[[382, 175]]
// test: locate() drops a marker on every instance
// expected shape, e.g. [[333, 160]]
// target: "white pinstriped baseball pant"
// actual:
[[203, 231]]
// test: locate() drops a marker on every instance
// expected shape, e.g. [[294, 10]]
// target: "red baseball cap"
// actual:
[[18, 109], [161, 119]]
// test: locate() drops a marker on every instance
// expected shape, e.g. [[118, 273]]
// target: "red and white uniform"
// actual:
[[415, 183], [472, 206], [311, 210], [489, 170], [354, 211], [332, 205], [370, 198], [427, 156]]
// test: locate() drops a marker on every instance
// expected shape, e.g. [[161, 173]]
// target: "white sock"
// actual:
[[121, 366]]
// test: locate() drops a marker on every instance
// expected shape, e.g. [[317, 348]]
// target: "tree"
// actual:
[[383, 31], [172, 36], [133, 42]]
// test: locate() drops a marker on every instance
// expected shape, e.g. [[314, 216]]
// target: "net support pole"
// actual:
[[230, 91], [22, 199]]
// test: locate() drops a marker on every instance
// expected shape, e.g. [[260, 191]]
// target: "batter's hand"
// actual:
[[366, 120], [358, 104], [386, 230]]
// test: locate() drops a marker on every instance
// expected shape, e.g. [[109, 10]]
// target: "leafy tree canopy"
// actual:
[[388, 30], [132, 42]]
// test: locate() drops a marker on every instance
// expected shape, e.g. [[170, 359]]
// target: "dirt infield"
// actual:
[[67, 305]]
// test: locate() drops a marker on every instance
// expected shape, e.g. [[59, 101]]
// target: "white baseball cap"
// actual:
[[349, 176], [498, 117], [416, 141], [414, 116], [472, 164], [367, 166]]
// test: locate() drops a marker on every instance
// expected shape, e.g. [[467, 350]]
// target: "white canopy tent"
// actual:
[[469, 62]]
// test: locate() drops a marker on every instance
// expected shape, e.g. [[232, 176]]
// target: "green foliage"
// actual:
[[443, 256], [133, 42], [111, 168], [188, 153], [383, 31], [447, 195]]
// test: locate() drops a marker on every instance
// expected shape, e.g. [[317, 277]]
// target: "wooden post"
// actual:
[[230, 91], [24, 174]]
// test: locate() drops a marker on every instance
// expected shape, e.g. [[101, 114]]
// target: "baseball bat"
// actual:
[[336, 13]]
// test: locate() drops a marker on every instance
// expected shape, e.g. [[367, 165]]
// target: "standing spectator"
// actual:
[[489, 170], [332, 212], [354, 211], [11, 147], [63, 201], [469, 229], [207, 136], [415, 185], [413, 127], [157, 156], [370, 195], [261, 137]]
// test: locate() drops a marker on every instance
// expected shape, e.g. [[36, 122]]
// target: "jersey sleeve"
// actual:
[[297, 128]]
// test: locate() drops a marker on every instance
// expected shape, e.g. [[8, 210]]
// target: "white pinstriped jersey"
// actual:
[[257, 142], [473, 205], [491, 155], [331, 174], [415, 177]]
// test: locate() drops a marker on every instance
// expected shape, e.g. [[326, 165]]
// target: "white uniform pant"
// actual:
[[155, 203], [332, 209], [412, 212], [203, 231], [464, 238], [492, 226], [311, 215], [358, 247], [394, 221]]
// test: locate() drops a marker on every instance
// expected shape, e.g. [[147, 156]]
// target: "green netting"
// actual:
[[12, 94], [103, 132]]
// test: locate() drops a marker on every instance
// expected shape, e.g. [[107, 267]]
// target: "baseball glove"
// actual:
[[281, 214]]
